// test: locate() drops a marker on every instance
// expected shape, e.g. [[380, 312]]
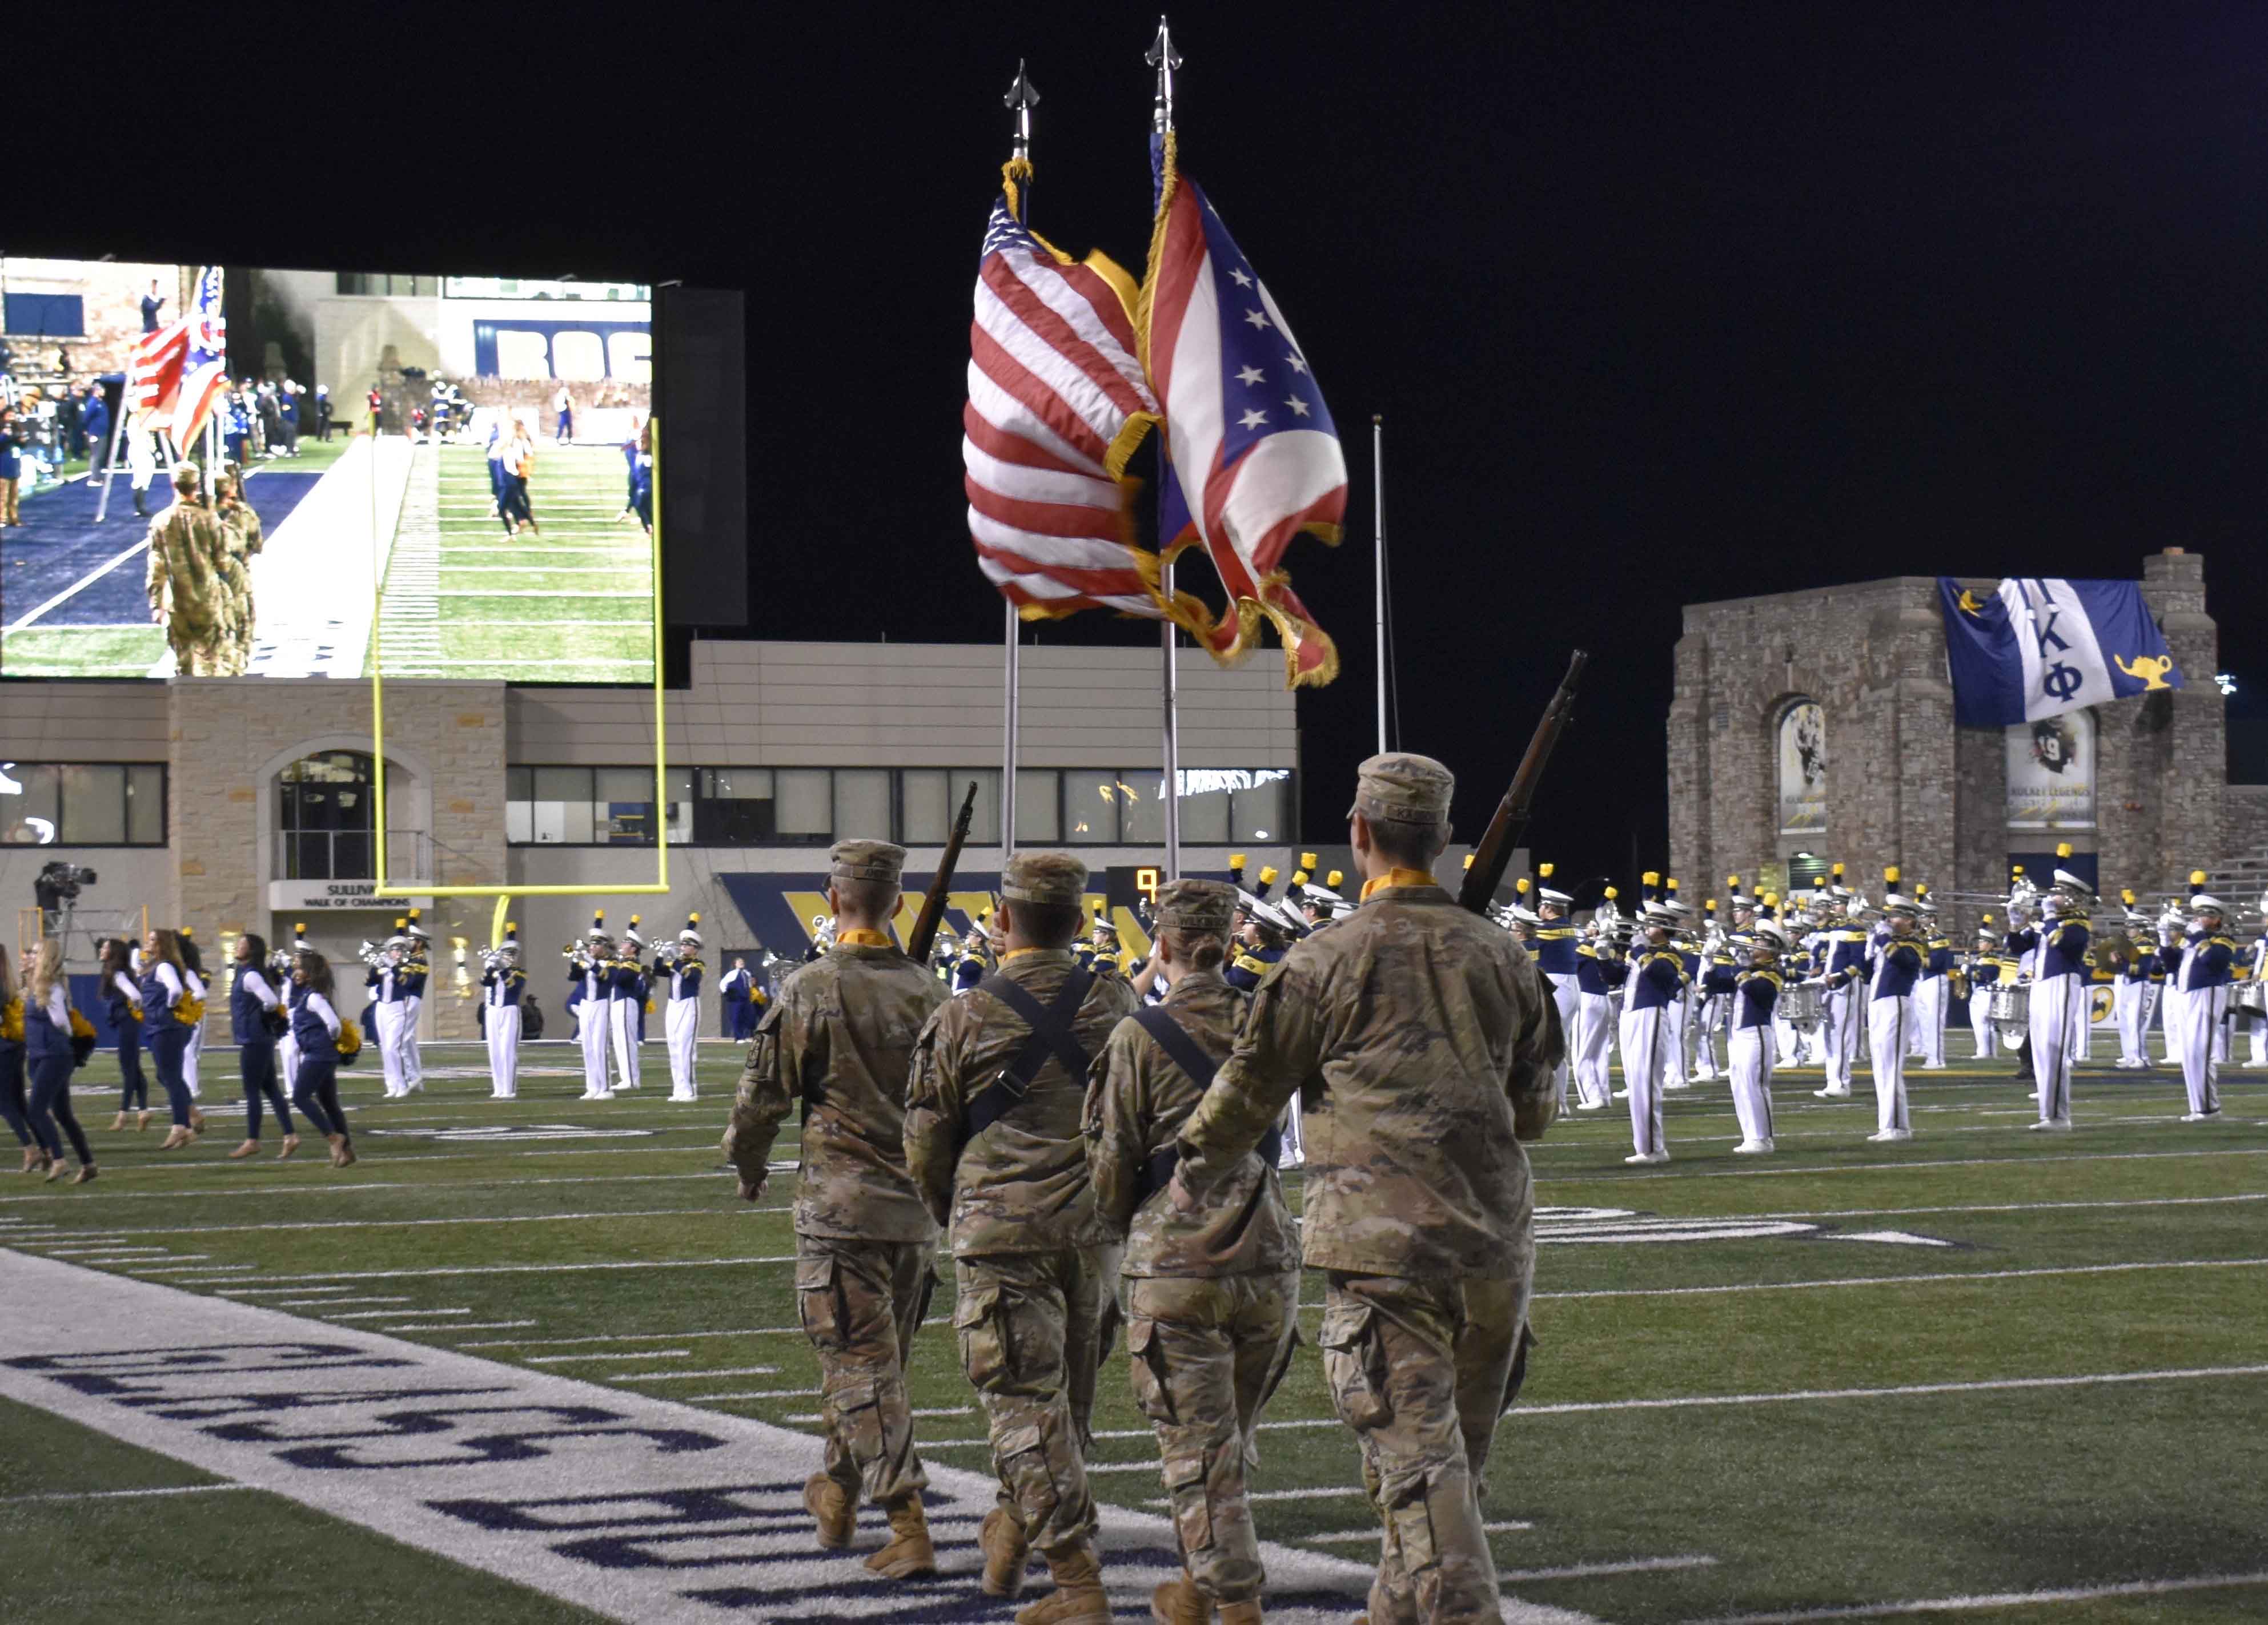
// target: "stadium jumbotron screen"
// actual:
[[445, 476]]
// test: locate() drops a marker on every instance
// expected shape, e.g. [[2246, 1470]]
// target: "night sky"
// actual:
[[1660, 304]]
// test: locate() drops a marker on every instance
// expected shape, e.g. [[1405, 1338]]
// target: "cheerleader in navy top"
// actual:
[[123, 997], [15, 1103], [165, 1035], [193, 977], [49, 1055], [316, 1025], [251, 1005]]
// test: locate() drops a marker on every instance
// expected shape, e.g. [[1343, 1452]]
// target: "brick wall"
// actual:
[[111, 297]]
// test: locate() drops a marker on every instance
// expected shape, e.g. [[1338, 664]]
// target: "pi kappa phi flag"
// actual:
[[2041, 645]]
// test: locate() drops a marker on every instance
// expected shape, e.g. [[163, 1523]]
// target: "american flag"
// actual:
[[1255, 460], [153, 372], [204, 367], [1057, 404]]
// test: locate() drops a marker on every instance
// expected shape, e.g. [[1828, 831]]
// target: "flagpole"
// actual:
[[1022, 97], [1378, 530], [1162, 56]]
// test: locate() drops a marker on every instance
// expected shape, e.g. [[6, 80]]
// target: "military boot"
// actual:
[[1179, 1602], [1006, 1553], [831, 1508], [1078, 1597], [908, 1555]]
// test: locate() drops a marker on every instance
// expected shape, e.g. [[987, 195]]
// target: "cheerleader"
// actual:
[[317, 1026], [15, 1103], [253, 1007], [279, 977], [193, 974], [165, 1034], [48, 1048], [124, 999]]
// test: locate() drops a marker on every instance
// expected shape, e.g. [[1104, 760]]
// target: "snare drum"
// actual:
[[2012, 1009], [1799, 1007], [2250, 996]]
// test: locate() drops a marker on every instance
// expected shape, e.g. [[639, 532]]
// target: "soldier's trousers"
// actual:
[[1419, 1369], [198, 650], [1033, 1326], [1206, 1352], [860, 1303]]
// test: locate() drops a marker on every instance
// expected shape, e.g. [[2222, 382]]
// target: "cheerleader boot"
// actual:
[[141, 1120], [118, 1123], [176, 1137], [250, 1148], [290, 1145]]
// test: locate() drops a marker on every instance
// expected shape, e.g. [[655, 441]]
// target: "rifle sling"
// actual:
[[1050, 1035], [1184, 1052]]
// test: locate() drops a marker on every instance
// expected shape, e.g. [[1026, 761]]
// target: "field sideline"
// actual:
[[2016, 1376]]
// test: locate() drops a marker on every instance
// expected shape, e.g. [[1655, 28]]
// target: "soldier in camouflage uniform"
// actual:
[[188, 588], [1425, 1040], [1034, 1269], [240, 531], [1211, 1295], [840, 1036]]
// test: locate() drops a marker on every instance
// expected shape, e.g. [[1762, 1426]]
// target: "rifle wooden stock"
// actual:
[[932, 909], [1493, 856]]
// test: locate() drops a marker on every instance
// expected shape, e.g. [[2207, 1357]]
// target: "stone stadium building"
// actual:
[[1810, 728]]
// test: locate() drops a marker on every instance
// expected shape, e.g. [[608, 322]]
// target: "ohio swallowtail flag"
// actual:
[[2041, 645]]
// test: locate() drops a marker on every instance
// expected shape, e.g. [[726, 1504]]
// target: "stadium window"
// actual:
[[323, 818], [803, 805], [559, 811], [1205, 800], [677, 789], [623, 813], [732, 806], [1260, 812], [862, 803], [82, 804], [1039, 805], [1090, 801], [925, 809], [1142, 808]]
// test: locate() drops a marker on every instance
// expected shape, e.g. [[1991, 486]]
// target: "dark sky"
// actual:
[[1661, 303]]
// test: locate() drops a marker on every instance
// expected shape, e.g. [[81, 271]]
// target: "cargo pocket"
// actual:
[[858, 1418], [1354, 1365], [1189, 1486], [817, 1302], [1410, 1512], [981, 1321], [1146, 1369]]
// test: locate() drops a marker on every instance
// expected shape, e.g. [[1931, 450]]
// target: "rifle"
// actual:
[[1494, 854], [933, 909]]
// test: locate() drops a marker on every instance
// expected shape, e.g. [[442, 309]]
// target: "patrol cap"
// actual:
[[1401, 787], [1198, 905], [1044, 878], [867, 860]]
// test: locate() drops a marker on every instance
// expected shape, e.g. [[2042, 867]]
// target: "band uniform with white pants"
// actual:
[[590, 973], [502, 983], [1890, 1015], [2205, 976], [387, 984], [1748, 1044], [682, 1025], [1657, 980], [416, 968], [1555, 941], [1846, 991], [625, 993], [2131, 992], [1598, 973], [2059, 996], [1934, 996]]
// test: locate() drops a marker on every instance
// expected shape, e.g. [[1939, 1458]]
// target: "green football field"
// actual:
[[571, 603], [1993, 1373]]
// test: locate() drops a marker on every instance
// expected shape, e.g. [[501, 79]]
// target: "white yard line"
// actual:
[[81, 584], [456, 1325], [522, 1269], [1513, 1526], [1618, 1177], [727, 1371], [118, 1494], [1961, 1275], [1999, 1600], [752, 1394], [1992, 1384], [2009, 1207], [558, 1359]]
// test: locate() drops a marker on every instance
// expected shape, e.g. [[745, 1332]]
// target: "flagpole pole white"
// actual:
[[1378, 530], [1162, 56], [1022, 97]]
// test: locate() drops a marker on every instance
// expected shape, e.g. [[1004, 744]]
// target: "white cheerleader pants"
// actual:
[[2059, 1006], [386, 1016], [1646, 1037], [1888, 1020], [2199, 1017], [1593, 1022], [623, 1021], [1748, 1055], [683, 1032], [1569, 998], [500, 1023], [592, 1029], [413, 1063]]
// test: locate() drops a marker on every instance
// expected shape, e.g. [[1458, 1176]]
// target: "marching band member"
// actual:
[[387, 981], [1986, 972], [2256, 970], [502, 984], [252, 1004], [1598, 973], [592, 975], [1556, 940], [1657, 979], [1936, 993], [1889, 1013], [1680, 1010], [418, 967], [1754, 995], [1845, 980], [2130, 994], [2176, 930], [2059, 992], [1787, 1043], [2021, 946], [2204, 996], [738, 985], [624, 995], [1710, 1000], [682, 1026], [1263, 939]]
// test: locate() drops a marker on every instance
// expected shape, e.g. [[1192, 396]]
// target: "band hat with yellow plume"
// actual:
[[511, 943], [597, 931], [2202, 901], [417, 932], [1735, 898], [691, 934], [1895, 902], [2069, 883], [1546, 893]]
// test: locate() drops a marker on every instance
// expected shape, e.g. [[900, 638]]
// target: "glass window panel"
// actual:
[[926, 817], [519, 822], [1090, 808], [680, 783], [29, 814], [145, 805], [309, 858], [1142, 808], [351, 854], [984, 821], [1257, 813], [1204, 807], [93, 805], [624, 809], [1039, 807], [803, 804], [862, 804]]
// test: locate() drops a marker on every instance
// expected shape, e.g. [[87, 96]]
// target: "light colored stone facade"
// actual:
[[1905, 786]]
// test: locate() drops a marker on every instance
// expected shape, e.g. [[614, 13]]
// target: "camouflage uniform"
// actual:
[[1423, 1039], [839, 1037], [1213, 1295], [1032, 1268], [187, 585], [240, 531]]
